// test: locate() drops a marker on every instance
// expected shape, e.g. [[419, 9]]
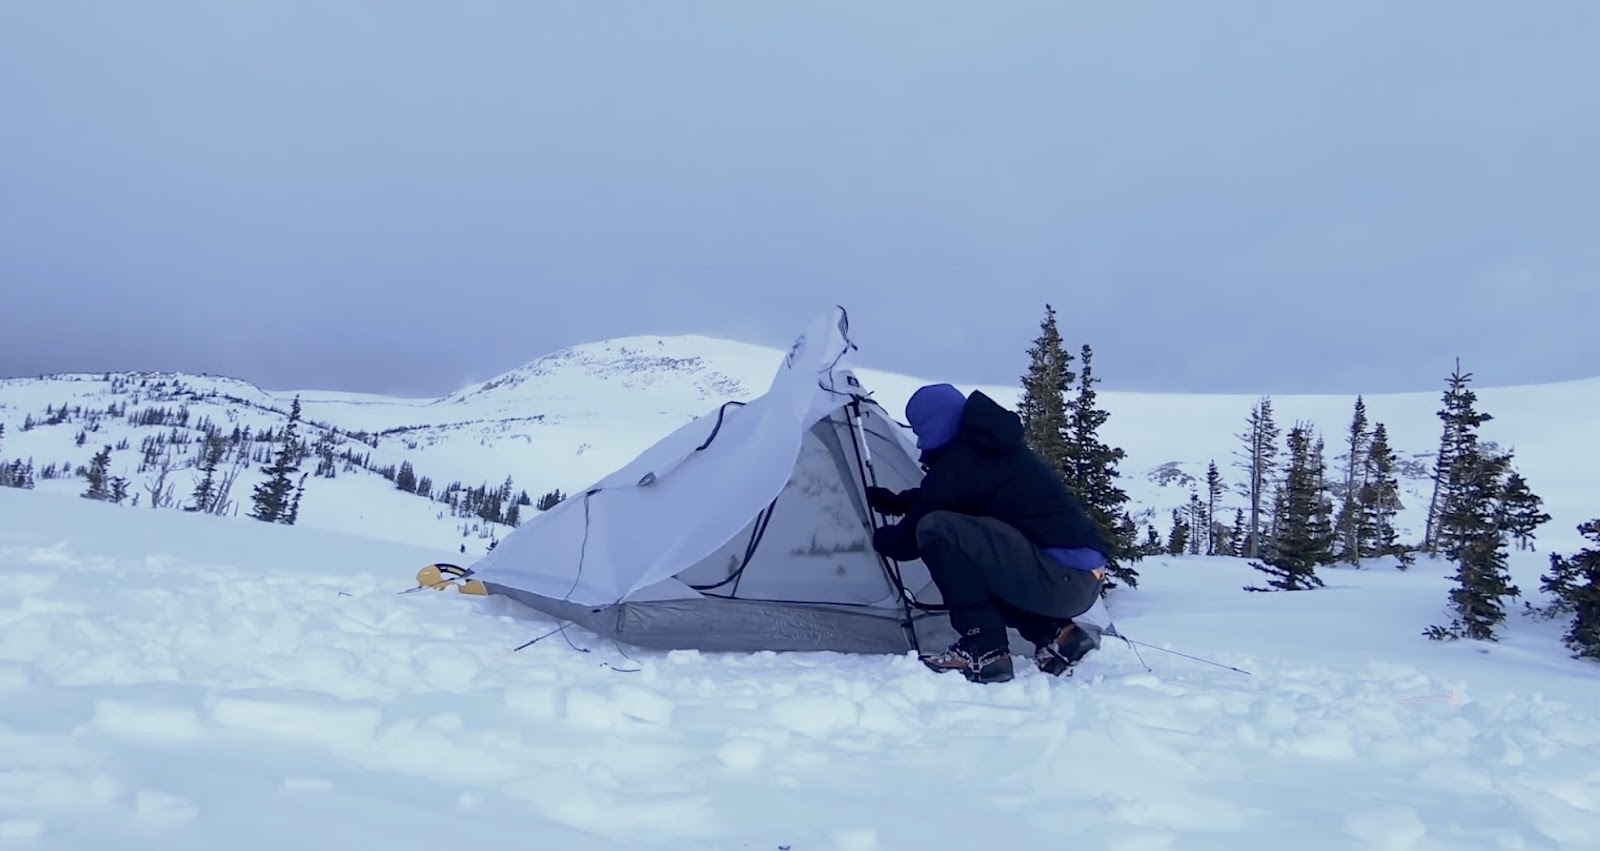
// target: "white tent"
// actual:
[[745, 529]]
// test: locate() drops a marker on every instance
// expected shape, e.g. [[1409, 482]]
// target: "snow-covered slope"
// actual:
[[566, 419], [172, 681]]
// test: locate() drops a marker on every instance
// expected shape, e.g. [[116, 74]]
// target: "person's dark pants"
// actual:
[[992, 578]]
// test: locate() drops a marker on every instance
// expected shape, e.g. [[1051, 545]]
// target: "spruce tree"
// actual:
[[1524, 514], [211, 454], [1473, 534], [1300, 542], [99, 476], [1351, 518], [1574, 586], [1259, 462], [1380, 500], [1214, 488], [1197, 521], [1178, 539], [272, 496], [1043, 406], [1152, 541], [1092, 473], [1457, 441]]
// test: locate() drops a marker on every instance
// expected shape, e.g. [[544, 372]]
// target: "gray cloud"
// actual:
[[402, 197]]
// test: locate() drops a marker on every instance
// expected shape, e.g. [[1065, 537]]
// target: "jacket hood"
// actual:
[[989, 427], [941, 417]]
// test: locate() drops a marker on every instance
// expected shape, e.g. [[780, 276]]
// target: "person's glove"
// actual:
[[885, 501]]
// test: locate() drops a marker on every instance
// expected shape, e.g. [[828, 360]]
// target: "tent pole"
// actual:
[[869, 477]]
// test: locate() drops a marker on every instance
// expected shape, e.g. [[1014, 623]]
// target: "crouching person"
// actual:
[[1007, 544]]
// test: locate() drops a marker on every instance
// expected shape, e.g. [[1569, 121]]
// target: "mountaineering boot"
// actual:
[[1070, 644], [979, 666]]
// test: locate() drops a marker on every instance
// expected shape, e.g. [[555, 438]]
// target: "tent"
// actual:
[[745, 529]]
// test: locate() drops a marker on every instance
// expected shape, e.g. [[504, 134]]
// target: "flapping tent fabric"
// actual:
[[745, 529]]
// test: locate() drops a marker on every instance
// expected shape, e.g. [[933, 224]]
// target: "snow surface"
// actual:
[[181, 681]]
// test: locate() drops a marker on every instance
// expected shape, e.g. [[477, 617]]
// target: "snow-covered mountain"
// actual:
[[565, 419]]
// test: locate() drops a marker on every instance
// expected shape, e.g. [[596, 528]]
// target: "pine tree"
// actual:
[[1214, 489], [1043, 406], [1574, 586], [272, 496], [1352, 519], [1300, 542], [1092, 473], [1178, 539], [211, 455], [1197, 521], [1152, 541], [1457, 446], [1472, 531], [1524, 514], [98, 474], [1259, 462], [1380, 500]]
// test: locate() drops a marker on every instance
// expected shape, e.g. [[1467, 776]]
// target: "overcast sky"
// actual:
[[407, 196]]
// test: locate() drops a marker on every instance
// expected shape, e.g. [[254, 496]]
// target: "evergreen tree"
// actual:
[[1473, 533], [1197, 521], [1214, 489], [406, 479], [1352, 519], [211, 455], [1152, 541], [98, 474], [1524, 514], [1043, 406], [1458, 443], [1178, 539], [1380, 500], [1092, 473], [1574, 586], [1259, 462], [272, 496], [1300, 542]]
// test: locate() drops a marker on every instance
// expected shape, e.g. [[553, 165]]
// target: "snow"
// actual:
[[171, 680], [181, 681]]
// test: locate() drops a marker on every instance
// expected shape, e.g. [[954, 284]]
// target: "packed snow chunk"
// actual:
[[818, 716], [587, 708], [642, 704], [308, 716], [18, 830], [1390, 828], [453, 672], [742, 754], [15, 676], [160, 809], [856, 839], [35, 790], [535, 701], [147, 720]]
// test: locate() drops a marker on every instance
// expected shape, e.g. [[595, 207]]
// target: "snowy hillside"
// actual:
[[566, 419], [175, 682]]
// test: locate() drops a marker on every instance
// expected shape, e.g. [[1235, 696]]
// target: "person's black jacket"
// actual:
[[988, 471]]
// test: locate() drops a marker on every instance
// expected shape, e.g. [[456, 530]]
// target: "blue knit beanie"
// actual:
[[934, 412]]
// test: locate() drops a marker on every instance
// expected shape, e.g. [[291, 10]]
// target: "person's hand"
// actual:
[[884, 501]]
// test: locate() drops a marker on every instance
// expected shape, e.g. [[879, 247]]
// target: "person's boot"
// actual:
[[974, 662], [1065, 649]]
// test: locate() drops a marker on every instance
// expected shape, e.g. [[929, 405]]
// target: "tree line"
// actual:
[[1302, 513]]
